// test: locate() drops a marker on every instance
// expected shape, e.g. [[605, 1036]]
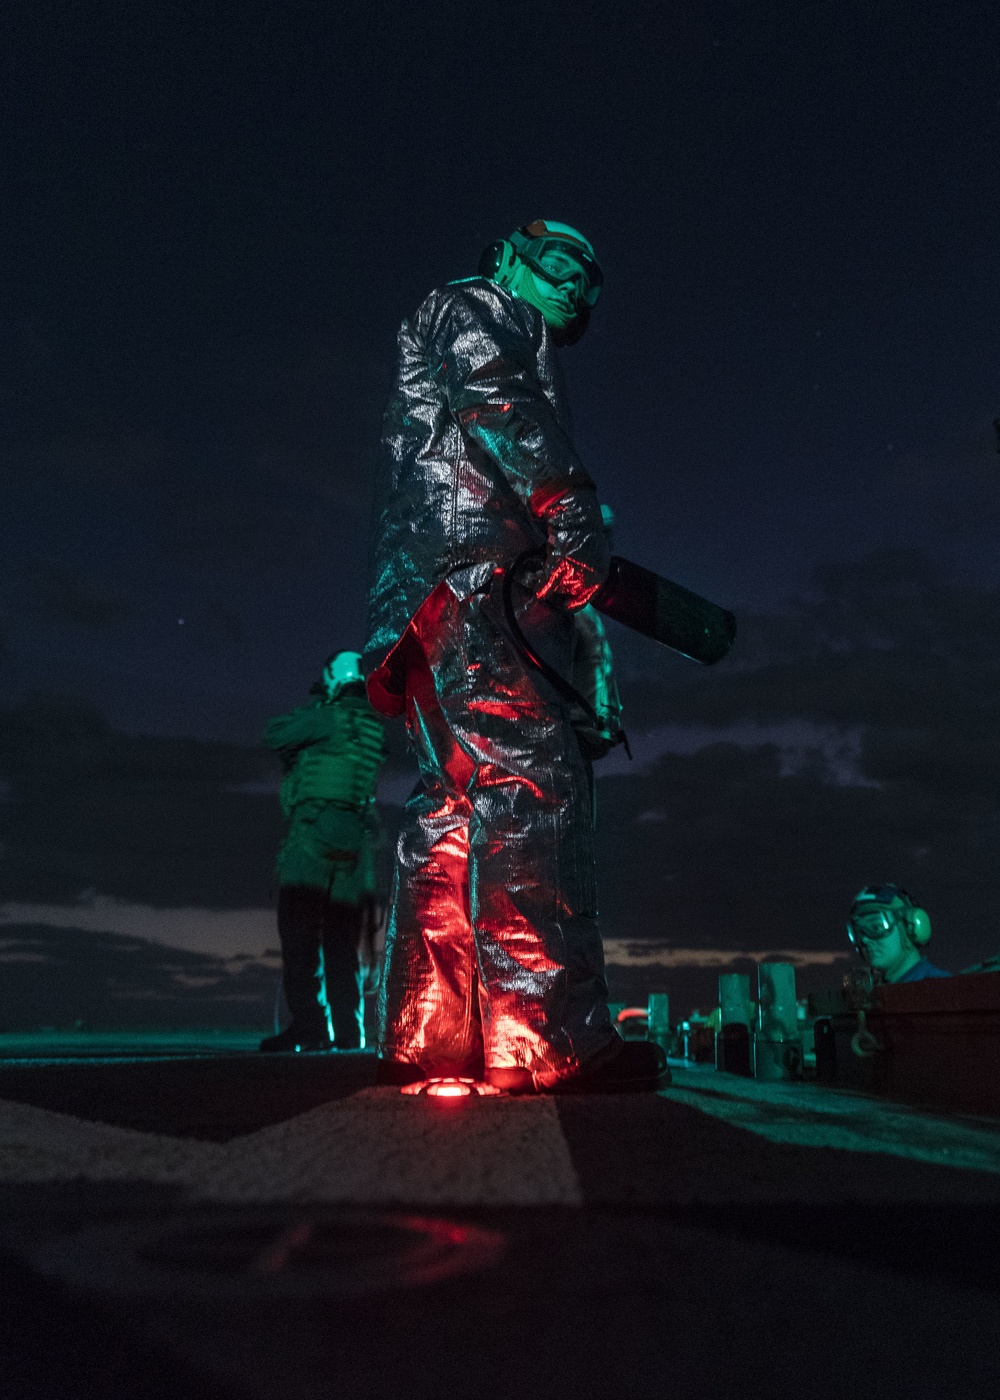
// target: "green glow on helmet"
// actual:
[[342, 669], [556, 270]]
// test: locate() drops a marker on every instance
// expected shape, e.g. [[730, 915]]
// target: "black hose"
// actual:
[[559, 683]]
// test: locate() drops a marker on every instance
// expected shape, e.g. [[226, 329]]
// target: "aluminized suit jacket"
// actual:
[[477, 465]]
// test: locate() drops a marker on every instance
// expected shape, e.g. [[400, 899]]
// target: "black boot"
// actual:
[[341, 972], [639, 1067], [293, 1039]]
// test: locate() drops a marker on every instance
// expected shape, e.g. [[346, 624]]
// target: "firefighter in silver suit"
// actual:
[[494, 963]]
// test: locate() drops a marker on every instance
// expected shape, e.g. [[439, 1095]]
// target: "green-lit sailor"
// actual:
[[332, 750], [890, 931]]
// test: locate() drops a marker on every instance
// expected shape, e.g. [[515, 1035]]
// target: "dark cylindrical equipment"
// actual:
[[777, 1044], [732, 1049], [732, 1042], [658, 1018]]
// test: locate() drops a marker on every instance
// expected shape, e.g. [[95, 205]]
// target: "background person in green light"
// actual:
[[332, 750], [889, 930]]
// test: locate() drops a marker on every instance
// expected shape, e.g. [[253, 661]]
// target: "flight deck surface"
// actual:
[[184, 1216]]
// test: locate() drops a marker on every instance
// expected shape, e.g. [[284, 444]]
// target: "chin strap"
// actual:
[[559, 683]]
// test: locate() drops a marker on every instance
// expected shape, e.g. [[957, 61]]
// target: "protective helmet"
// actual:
[[882, 908], [340, 670], [556, 254]]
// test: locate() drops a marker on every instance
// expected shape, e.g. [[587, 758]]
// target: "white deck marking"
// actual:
[[807, 1115], [39, 1145], [377, 1147]]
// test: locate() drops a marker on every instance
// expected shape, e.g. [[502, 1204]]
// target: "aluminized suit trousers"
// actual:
[[493, 947]]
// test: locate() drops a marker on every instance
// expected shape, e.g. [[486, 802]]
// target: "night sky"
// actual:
[[215, 218]]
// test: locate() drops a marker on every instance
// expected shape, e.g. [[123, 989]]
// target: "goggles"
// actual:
[[873, 916], [871, 926], [559, 260]]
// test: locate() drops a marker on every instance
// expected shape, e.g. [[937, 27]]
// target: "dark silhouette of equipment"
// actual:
[[637, 598], [669, 614]]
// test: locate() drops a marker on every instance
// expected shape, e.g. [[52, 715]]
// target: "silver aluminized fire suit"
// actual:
[[493, 945]]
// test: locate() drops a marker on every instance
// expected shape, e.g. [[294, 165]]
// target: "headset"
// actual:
[[526, 245], [916, 920], [498, 261]]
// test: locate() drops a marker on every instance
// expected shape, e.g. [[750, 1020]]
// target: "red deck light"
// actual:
[[450, 1088]]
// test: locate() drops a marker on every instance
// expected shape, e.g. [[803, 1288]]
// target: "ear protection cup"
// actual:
[[498, 261], [916, 921], [919, 924]]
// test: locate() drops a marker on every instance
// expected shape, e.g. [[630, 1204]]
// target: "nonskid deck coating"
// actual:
[[710, 1136], [650, 1244]]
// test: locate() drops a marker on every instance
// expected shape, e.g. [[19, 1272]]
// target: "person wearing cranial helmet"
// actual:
[[494, 963], [332, 750], [889, 930], [554, 268]]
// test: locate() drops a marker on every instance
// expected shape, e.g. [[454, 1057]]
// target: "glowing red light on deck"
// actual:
[[450, 1088]]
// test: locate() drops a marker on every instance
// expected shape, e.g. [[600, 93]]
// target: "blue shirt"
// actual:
[[920, 970]]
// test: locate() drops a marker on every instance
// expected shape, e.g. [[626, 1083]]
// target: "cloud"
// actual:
[[221, 933], [647, 953], [722, 849], [857, 739], [62, 976], [166, 822], [800, 743], [888, 649]]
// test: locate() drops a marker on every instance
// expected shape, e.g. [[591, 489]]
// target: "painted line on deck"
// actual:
[[798, 1115]]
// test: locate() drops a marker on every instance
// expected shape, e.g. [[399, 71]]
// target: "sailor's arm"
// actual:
[[487, 374]]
